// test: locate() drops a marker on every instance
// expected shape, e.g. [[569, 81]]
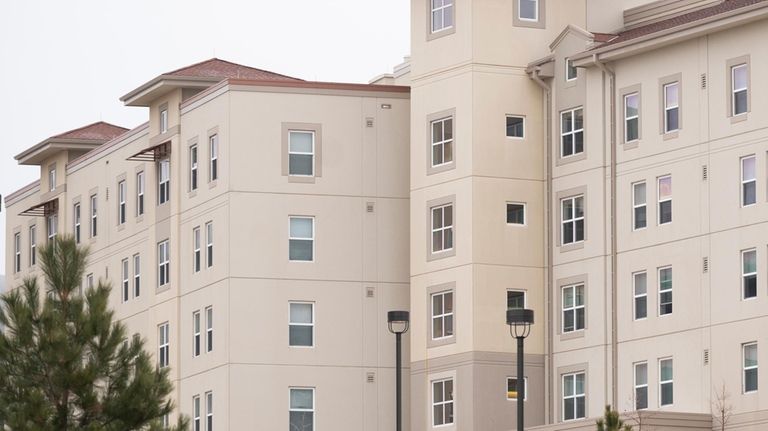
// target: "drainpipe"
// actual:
[[614, 276], [549, 405]]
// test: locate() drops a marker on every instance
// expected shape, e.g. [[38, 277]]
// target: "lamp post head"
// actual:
[[519, 321], [398, 321]]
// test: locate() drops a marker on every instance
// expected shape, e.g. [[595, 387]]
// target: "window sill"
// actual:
[[140, 218], [431, 256], [192, 194], [671, 135], [163, 288], [212, 184], [432, 35], [301, 179], [572, 246], [431, 170], [565, 336], [571, 159], [441, 341], [121, 227], [739, 118], [631, 145]]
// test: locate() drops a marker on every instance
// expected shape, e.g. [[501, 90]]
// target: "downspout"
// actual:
[[549, 405], [614, 275]]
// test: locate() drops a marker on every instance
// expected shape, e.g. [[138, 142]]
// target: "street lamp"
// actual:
[[520, 321], [398, 322]]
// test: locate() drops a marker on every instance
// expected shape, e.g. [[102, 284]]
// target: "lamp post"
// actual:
[[520, 321], [398, 322]]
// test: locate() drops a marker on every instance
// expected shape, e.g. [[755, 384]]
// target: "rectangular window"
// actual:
[[164, 345], [209, 244], [442, 315], [136, 275], [17, 252], [442, 141], [512, 388], [666, 385], [739, 84], [572, 219], [52, 224], [442, 402], [528, 10], [196, 336], [640, 293], [515, 127], [209, 411], [515, 299], [571, 132], [641, 385], [163, 120], [163, 263], [570, 71], [631, 117], [748, 181], [209, 329], [749, 353], [301, 153], [573, 308], [665, 199], [164, 182], [639, 219], [139, 193], [301, 239], [442, 228], [125, 284], [94, 217], [89, 281], [301, 409], [442, 15], [671, 107], [515, 213], [121, 206], [665, 291], [193, 168], [77, 220], [52, 178], [32, 245], [196, 250], [301, 324], [196, 413], [574, 397], [749, 274], [213, 166]]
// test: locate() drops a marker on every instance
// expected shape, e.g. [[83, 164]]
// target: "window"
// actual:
[[515, 213], [442, 228], [163, 120], [125, 287], [52, 224], [631, 117], [442, 315], [515, 299], [193, 168], [512, 388], [301, 324], [196, 413], [77, 221], [515, 127], [572, 132], [749, 274], [139, 193], [640, 293], [52, 177], [213, 168], [196, 253], [301, 239], [574, 397], [528, 10], [739, 87], [89, 281], [301, 153], [749, 352], [121, 208], [209, 244], [641, 385], [163, 263], [209, 411], [665, 199], [301, 409], [442, 402], [94, 217], [17, 252], [573, 308], [671, 107], [665, 291], [196, 337], [573, 219], [666, 386], [442, 141], [639, 218], [442, 15], [164, 345], [136, 275], [166, 421], [748, 181], [164, 182], [209, 329], [570, 70], [32, 245]]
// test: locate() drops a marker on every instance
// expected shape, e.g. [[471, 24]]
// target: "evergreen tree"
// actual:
[[611, 422], [66, 364]]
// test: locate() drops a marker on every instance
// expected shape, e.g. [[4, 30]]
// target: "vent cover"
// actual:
[[370, 377], [703, 81], [386, 106], [369, 207], [705, 265], [369, 122], [706, 356], [369, 291], [704, 172]]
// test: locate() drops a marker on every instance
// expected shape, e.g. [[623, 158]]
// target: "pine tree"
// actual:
[[66, 364], [611, 422]]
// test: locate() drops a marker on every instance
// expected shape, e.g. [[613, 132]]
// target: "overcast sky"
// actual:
[[64, 64]]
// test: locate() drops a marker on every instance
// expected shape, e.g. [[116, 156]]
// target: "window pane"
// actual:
[[448, 129], [641, 220], [641, 307], [515, 127], [528, 9], [672, 119], [666, 394], [437, 155], [639, 193], [437, 131], [579, 225], [740, 77], [515, 213], [300, 335], [449, 413], [581, 407], [437, 20], [437, 328], [631, 104], [568, 407], [641, 374], [568, 233], [579, 295], [579, 205], [579, 384], [666, 370], [568, 385], [301, 399], [437, 392], [448, 322], [447, 152], [670, 95], [300, 249], [567, 209], [567, 121], [300, 164], [568, 297], [437, 305], [447, 16], [301, 313], [448, 301], [578, 116], [448, 239], [301, 421], [300, 142], [750, 380], [301, 227], [567, 145], [640, 283], [448, 216], [641, 398], [437, 241], [665, 212], [578, 139], [749, 193], [750, 355], [740, 102], [632, 129], [568, 321], [749, 260], [748, 168]]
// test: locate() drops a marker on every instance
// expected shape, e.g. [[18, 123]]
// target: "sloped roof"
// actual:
[[83, 138], [217, 68], [99, 131]]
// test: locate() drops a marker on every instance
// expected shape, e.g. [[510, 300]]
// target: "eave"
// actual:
[[37, 154], [146, 93]]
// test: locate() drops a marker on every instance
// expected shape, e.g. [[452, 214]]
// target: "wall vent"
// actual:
[[386, 106], [369, 122], [703, 81], [369, 291], [369, 207], [704, 172], [705, 265], [706, 356], [370, 377]]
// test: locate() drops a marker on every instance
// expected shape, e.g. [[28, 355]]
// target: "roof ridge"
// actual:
[[216, 59], [59, 135]]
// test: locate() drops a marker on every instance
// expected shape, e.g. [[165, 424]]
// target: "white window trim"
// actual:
[[525, 388], [208, 410], [442, 143], [163, 260], [77, 215], [301, 153], [671, 289], [573, 131], [164, 182], [445, 402], [442, 229], [520, 16], [136, 275], [122, 209], [744, 181], [209, 244], [735, 90], [125, 286], [52, 177], [312, 410], [575, 396], [573, 220], [196, 409], [640, 386], [628, 118], [312, 238], [568, 62], [33, 245], [574, 308], [311, 324], [140, 184], [442, 9], [164, 345], [635, 205], [194, 173], [744, 275], [525, 214], [209, 329], [52, 226], [662, 382], [197, 340], [636, 296], [17, 252], [164, 120], [94, 216], [197, 255], [443, 315], [213, 153], [668, 108], [745, 368], [519, 138], [662, 200]]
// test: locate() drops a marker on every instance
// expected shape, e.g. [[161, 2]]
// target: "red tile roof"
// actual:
[[697, 15], [216, 68], [99, 131]]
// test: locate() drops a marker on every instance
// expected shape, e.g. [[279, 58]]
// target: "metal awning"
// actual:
[[42, 209], [152, 154]]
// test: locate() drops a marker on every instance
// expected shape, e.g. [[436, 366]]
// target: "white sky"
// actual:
[[64, 64]]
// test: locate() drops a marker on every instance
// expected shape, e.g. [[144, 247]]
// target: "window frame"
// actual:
[[520, 10], [17, 252], [569, 68], [628, 118], [213, 157], [746, 368], [745, 275], [163, 120], [163, 263], [163, 181], [77, 221], [444, 402], [209, 244], [443, 316], [735, 90], [574, 308], [122, 208], [209, 329], [301, 153], [573, 132], [136, 275], [52, 177], [164, 345], [196, 334], [311, 239], [525, 214], [197, 257], [667, 108], [670, 290], [665, 382], [636, 296], [746, 182], [302, 410], [311, 324], [442, 143], [194, 175], [506, 128], [140, 190], [33, 245], [196, 409], [125, 284], [442, 229], [575, 396], [573, 220], [52, 226], [661, 200], [642, 386], [442, 10], [636, 206], [94, 223], [209, 411]]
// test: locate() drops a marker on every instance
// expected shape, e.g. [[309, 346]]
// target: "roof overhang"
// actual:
[[148, 92], [152, 154], [43, 209], [38, 153]]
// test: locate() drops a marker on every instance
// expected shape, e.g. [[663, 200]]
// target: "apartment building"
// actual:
[[255, 236], [602, 163]]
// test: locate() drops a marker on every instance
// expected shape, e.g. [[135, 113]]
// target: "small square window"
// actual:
[[516, 213], [515, 127], [570, 71], [528, 10], [301, 150]]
